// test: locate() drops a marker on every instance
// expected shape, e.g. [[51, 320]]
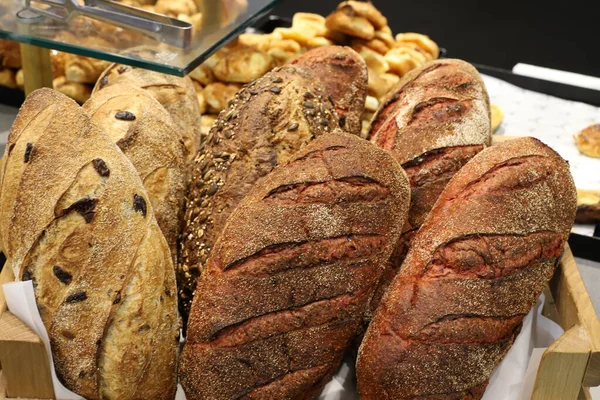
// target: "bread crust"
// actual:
[[266, 123], [177, 96], [475, 268], [308, 244], [147, 135], [76, 220]]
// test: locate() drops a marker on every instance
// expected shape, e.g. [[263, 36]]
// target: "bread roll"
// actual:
[[10, 54], [80, 92], [475, 269], [76, 220], [177, 96], [433, 122], [146, 134], [343, 74], [289, 278]]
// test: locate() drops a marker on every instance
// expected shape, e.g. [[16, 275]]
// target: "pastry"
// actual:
[[588, 141]]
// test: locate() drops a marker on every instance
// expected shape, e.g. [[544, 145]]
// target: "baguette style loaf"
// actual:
[[177, 96], [288, 281], [266, 123], [434, 121], [76, 221], [343, 73], [147, 135], [475, 269]]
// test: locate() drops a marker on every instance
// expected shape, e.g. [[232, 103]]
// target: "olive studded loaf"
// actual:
[[177, 95], [266, 123], [289, 278], [434, 121], [146, 134], [76, 221], [476, 267]]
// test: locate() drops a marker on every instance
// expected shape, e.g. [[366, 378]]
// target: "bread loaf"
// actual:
[[266, 123], [343, 74], [177, 95], [434, 121], [76, 220], [476, 267], [147, 135], [289, 278]]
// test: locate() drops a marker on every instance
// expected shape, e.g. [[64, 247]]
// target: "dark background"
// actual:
[[563, 35]]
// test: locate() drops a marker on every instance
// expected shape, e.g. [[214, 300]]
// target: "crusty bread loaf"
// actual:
[[343, 73], [288, 281], [177, 95], [476, 267], [265, 124], [76, 220], [146, 133], [434, 121]]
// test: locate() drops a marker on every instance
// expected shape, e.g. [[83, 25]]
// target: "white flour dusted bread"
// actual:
[[75, 219]]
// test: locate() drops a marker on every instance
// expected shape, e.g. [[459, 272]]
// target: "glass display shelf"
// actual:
[[215, 22]]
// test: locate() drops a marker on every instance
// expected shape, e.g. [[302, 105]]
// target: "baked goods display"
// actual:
[[588, 206], [433, 122], [477, 266], [76, 220], [147, 135], [265, 124], [588, 141], [307, 245]]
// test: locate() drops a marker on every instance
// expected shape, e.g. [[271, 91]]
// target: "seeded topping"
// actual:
[[293, 127], [309, 95], [125, 116], [277, 80], [308, 104], [28, 150], [117, 299], [68, 334], [144, 328], [101, 167], [253, 92], [275, 90], [77, 297], [62, 275], [324, 122], [139, 204], [342, 121], [122, 69]]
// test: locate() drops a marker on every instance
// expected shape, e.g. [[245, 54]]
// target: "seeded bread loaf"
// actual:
[[177, 96], [476, 267], [290, 276], [76, 220], [147, 135], [266, 123], [434, 121], [343, 73]]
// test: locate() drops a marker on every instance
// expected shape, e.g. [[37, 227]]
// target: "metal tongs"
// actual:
[[165, 29]]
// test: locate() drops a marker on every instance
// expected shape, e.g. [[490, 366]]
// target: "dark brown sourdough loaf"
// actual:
[[76, 220], [434, 121], [266, 123], [475, 269], [289, 279]]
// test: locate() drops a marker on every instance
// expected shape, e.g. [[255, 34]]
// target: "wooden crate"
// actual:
[[568, 367]]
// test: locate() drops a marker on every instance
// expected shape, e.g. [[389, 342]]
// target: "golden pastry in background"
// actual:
[[588, 206], [497, 116], [588, 141]]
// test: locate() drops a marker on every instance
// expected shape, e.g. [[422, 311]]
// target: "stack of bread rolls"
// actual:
[[283, 236]]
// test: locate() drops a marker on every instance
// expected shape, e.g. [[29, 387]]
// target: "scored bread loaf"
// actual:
[[177, 96], [76, 221], [475, 269], [343, 73], [147, 135], [266, 123], [433, 122], [289, 278]]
